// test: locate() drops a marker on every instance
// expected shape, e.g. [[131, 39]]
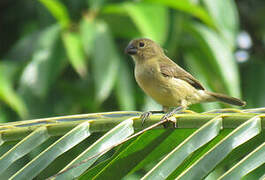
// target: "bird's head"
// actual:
[[143, 49]]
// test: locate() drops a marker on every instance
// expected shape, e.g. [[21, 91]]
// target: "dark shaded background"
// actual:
[[67, 57]]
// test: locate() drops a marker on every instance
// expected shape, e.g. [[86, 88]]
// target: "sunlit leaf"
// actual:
[[199, 153], [114, 136], [142, 153], [236, 155], [226, 19], [258, 173], [97, 168], [62, 145], [167, 145], [202, 136], [207, 162], [246, 165], [134, 154], [23, 147]]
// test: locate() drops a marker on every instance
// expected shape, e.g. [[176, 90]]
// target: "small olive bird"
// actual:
[[166, 82]]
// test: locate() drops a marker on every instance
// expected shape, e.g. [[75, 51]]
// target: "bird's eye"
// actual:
[[141, 44]]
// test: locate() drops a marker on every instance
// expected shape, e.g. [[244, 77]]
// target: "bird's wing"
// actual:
[[172, 70]]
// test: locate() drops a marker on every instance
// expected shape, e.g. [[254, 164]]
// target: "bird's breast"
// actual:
[[167, 91], [154, 84]]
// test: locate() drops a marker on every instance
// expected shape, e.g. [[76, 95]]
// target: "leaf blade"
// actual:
[[124, 88], [114, 136], [42, 69], [134, 153], [34, 139], [58, 10], [240, 135], [188, 7], [74, 49], [62, 145], [200, 137], [105, 59], [226, 17], [143, 14], [220, 56], [252, 161], [9, 95]]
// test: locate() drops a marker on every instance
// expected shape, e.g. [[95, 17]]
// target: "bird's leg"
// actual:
[[147, 114], [171, 113]]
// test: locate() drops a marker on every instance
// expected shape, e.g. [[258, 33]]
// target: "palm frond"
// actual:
[[159, 153]]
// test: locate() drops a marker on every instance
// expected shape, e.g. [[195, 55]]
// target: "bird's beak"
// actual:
[[131, 49]]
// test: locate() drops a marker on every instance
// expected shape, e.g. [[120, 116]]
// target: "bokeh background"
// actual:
[[66, 57]]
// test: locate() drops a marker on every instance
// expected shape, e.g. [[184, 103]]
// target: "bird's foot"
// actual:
[[168, 116], [144, 116]]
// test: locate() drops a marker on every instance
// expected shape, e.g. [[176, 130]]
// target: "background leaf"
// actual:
[[58, 10], [7, 92], [222, 59], [143, 14], [38, 74], [87, 32], [73, 44], [124, 88], [225, 15], [192, 8], [105, 62]]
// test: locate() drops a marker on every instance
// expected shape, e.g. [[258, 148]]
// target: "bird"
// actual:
[[166, 82]]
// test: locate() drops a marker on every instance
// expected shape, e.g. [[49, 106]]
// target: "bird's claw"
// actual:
[[144, 116], [169, 118]]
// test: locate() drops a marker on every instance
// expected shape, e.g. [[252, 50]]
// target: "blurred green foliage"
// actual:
[[66, 57]]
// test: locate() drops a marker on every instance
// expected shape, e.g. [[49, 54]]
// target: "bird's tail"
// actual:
[[227, 99]]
